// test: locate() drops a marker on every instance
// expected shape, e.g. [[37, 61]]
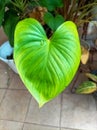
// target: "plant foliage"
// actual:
[[11, 19], [51, 4], [58, 11], [86, 87], [46, 66], [53, 22]]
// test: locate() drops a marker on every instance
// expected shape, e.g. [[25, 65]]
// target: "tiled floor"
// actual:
[[19, 111]]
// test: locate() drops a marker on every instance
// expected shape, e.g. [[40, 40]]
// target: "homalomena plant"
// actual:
[[46, 66]]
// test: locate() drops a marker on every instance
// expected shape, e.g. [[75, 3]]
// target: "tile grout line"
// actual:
[[71, 128], [39, 124], [5, 88], [29, 123], [22, 126], [3, 97], [8, 81], [26, 112], [42, 125], [14, 89], [60, 110]]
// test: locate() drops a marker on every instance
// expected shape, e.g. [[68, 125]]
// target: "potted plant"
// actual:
[[46, 48], [89, 86]]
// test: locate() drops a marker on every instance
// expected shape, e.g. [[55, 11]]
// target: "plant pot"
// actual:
[[5, 51]]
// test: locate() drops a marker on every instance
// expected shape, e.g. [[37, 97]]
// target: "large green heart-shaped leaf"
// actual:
[[46, 66]]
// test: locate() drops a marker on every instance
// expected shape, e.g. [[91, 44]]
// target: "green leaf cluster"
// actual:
[[9, 24], [53, 22], [51, 5], [10, 13], [8, 19], [3, 4], [58, 11]]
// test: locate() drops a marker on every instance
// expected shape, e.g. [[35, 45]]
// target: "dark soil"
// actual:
[[10, 57]]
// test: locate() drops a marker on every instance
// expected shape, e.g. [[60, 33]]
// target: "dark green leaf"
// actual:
[[2, 15], [53, 22], [3, 3], [51, 4], [33, 3], [49, 20], [46, 66], [10, 21], [2, 9], [59, 19]]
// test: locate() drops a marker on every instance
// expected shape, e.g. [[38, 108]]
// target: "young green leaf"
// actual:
[[53, 22], [49, 20], [59, 19], [46, 66], [86, 87]]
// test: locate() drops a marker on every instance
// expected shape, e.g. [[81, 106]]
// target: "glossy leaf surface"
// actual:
[[46, 66]]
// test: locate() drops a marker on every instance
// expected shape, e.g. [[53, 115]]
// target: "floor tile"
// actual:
[[3, 75], [38, 127], [66, 129], [2, 65], [79, 112], [69, 129], [2, 92], [49, 114], [10, 125], [3, 79], [14, 105], [15, 81]]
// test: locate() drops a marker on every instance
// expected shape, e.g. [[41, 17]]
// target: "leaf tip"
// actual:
[[41, 104]]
